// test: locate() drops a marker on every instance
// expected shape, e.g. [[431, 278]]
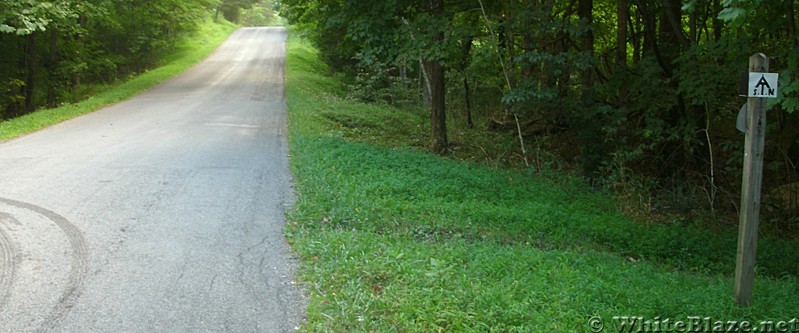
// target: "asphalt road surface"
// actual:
[[163, 213]]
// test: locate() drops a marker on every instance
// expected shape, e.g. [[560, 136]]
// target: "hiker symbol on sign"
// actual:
[[763, 85]]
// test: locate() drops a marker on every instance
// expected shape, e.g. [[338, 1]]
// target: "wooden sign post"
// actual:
[[759, 88]]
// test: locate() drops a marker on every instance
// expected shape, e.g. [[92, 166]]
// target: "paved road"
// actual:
[[163, 213]]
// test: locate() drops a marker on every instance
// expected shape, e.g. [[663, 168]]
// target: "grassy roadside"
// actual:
[[187, 53], [396, 240]]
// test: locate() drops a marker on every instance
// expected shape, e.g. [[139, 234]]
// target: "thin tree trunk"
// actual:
[[509, 33], [671, 23], [590, 128], [649, 21], [52, 63], [468, 96], [791, 22], [76, 78], [621, 32], [623, 13], [424, 83], [30, 73], [636, 27], [502, 26], [692, 26], [438, 115], [585, 9], [466, 50], [717, 24], [436, 75]]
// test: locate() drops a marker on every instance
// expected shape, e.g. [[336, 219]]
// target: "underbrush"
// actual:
[[395, 239]]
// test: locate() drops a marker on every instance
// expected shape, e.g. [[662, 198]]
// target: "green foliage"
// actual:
[[259, 15], [367, 33], [646, 87], [321, 23], [28, 16], [187, 53], [789, 83], [701, 81], [731, 13], [232, 9], [55, 46], [393, 239]]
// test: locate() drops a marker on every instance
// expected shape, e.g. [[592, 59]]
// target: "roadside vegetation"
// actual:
[[64, 58], [187, 52], [588, 128], [639, 97], [393, 238]]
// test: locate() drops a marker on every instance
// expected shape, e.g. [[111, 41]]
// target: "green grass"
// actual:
[[187, 53], [394, 239]]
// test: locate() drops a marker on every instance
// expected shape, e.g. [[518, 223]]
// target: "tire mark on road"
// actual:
[[8, 262], [79, 266]]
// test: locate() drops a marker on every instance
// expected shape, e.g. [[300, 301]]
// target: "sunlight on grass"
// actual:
[[395, 239]]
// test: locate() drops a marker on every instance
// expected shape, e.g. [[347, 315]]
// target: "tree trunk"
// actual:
[[672, 41], [466, 50], [789, 8], [717, 24], [52, 64], [621, 32], [509, 33], [435, 78], [468, 96], [424, 83], [502, 25], [438, 115], [649, 28], [585, 9], [671, 24], [636, 26], [590, 128], [30, 73], [435, 75], [693, 26], [83, 21]]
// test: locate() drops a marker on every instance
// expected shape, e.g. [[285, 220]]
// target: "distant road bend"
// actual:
[[163, 213]]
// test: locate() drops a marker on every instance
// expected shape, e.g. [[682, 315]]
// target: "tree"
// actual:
[[388, 32], [231, 9], [436, 73], [51, 47], [642, 87], [27, 21]]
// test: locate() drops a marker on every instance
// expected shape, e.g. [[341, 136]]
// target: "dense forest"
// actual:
[[59, 51], [638, 95]]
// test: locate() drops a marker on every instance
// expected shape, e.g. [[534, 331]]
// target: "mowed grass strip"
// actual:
[[394, 239], [187, 52]]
